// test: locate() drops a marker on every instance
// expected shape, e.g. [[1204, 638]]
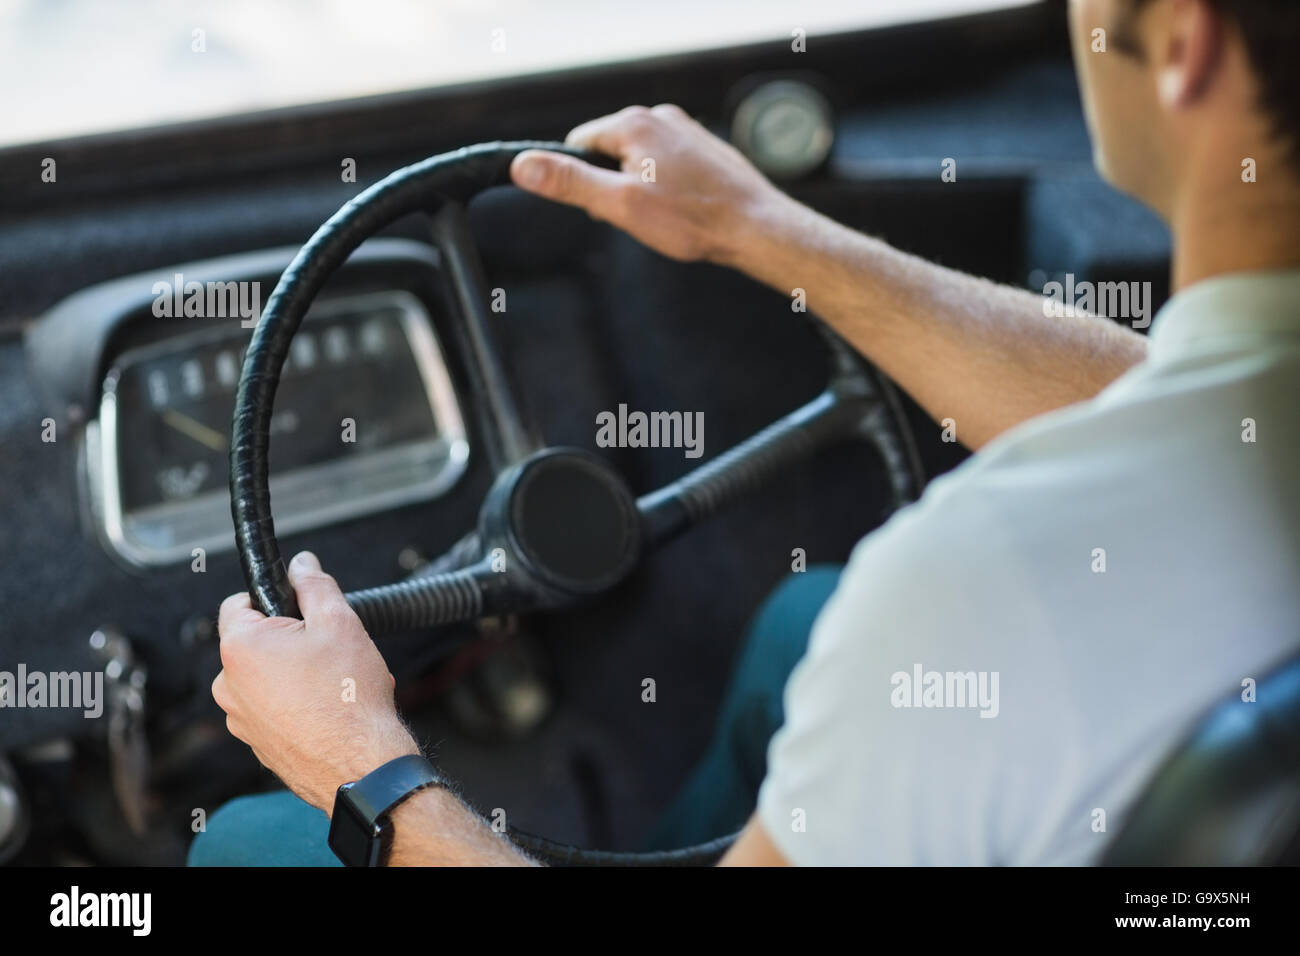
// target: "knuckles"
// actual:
[[233, 648], [625, 200], [316, 580], [335, 620], [556, 178], [220, 693], [669, 111]]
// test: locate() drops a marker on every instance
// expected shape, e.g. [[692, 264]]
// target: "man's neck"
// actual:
[[1223, 225]]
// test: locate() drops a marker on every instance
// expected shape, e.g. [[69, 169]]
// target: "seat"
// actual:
[[1230, 794]]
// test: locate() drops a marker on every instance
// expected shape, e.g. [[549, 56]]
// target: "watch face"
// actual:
[[354, 840]]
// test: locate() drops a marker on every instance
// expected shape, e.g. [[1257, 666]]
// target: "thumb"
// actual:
[[317, 591], [568, 179]]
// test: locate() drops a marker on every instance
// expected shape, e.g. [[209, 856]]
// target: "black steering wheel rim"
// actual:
[[453, 177], [858, 402]]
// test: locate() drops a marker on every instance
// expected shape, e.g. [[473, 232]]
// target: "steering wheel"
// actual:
[[559, 526]]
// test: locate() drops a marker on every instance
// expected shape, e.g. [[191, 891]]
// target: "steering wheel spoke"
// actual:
[[451, 597], [744, 468], [509, 433], [856, 404]]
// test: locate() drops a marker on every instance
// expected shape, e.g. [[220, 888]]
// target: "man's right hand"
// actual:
[[680, 190]]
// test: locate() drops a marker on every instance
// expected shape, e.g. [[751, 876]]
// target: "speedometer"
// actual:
[[365, 419]]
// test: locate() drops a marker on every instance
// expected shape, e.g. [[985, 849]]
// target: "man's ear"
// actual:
[[1188, 52]]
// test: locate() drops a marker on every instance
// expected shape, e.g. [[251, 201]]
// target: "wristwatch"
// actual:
[[361, 833]]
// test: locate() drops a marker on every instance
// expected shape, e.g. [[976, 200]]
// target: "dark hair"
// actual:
[[1271, 32]]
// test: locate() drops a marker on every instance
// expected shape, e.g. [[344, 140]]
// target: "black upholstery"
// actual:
[[1230, 795]]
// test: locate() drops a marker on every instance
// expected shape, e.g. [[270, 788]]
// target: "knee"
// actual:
[[225, 834], [776, 640], [786, 617], [816, 583], [269, 829]]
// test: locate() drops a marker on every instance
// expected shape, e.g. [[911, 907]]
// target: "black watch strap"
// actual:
[[360, 829]]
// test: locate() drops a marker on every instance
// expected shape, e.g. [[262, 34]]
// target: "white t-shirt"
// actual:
[[1075, 596]]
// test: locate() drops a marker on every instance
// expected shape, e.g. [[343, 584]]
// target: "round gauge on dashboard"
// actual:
[[785, 127], [365, 419]]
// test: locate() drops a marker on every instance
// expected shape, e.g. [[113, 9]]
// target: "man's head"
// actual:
[[1178, 91]]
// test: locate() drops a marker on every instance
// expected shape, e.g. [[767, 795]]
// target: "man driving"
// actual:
[[999, 670]]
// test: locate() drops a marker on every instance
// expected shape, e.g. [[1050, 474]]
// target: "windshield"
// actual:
[[72, 67]]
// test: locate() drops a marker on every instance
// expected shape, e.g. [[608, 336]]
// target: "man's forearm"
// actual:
[[982, 354], [433, 828]]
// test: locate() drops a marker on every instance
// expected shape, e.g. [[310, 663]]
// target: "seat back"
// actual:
[[1230, 795]]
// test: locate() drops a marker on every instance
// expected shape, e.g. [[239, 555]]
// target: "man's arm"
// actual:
[[433, 828], [982, 354]]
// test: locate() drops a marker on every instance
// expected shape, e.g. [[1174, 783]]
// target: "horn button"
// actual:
[[574, 521]]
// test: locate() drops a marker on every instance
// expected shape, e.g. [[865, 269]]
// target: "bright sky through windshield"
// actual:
[[69, 67]]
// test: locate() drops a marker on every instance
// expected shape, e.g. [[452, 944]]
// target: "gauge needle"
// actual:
[[200, 432]]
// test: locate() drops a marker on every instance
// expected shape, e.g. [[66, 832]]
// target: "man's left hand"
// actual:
[[313, 698]]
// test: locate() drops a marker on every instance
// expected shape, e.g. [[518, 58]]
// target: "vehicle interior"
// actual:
[[116, 412]]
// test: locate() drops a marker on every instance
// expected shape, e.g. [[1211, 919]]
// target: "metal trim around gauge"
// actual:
[[451, 448], [773, 158]]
